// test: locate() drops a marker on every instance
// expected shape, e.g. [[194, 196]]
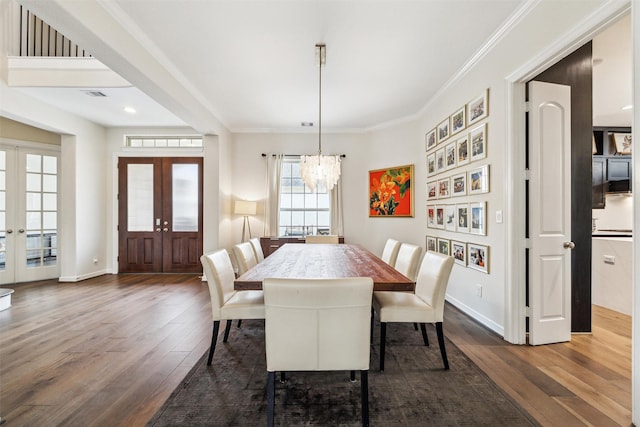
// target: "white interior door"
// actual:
[[549, 213], [29, 189]]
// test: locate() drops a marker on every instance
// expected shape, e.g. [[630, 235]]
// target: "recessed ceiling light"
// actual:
[[130, 110], [627, 107], [306, 124]]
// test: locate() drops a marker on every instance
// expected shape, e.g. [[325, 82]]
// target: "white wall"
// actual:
[[617, 213]]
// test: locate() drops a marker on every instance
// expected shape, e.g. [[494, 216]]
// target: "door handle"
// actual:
[[158, 229], [165, 229], [21, 230], [569, 245], [9, 231]]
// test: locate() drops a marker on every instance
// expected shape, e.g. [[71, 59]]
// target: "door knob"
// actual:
[[9, 231], [165, 229], [21, 230], [158, 229], [569, 245]]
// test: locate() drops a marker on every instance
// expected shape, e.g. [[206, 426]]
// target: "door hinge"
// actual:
[[527, 174], [527, 243], [526, 106], [527, 311]]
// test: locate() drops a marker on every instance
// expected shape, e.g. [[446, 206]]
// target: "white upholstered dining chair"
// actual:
[[227, 303], [317, 325], [245, 257], [408, 260], [390, 252], [322, 238], [257, 249], [426, 305]]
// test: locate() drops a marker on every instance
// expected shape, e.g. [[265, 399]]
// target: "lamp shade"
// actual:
[[245, 207]]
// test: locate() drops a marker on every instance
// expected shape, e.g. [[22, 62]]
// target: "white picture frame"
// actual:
[[443, 130], [459, 185], [440, 217], [479, 180], [462, 150], [444, 246], [430, 140], [478, 218], [440, 161], [431, 164], [478, 108], [478, 257], [462, 218], [444, 188], [478, 142], [432, 190], [458, 120], [431, 216], [450, 217], [431, 244], [459, 252], [450, 155]]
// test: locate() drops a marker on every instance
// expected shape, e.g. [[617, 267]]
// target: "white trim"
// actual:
[[479, 317], [84, 276], [515, 311], [32, 145], [635, 327]]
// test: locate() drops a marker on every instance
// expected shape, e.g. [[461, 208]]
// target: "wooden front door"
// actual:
[[160, 214]]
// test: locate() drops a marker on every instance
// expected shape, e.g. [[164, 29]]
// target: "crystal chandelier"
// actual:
[[320, 173]]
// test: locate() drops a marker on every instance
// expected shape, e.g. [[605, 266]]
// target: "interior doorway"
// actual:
[[160, 214]]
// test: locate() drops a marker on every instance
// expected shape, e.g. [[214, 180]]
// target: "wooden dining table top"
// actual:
[[304, 261]]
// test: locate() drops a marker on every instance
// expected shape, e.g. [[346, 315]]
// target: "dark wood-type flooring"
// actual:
[[110, 350]]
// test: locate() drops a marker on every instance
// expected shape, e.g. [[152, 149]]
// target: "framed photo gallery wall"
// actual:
[[458, 181]]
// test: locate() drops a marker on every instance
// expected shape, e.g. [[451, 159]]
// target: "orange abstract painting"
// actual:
[[391, 192]]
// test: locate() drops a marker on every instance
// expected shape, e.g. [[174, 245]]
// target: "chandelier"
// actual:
[[319, 172]]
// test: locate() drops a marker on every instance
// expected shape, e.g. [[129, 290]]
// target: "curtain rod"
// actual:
[[342, 156]]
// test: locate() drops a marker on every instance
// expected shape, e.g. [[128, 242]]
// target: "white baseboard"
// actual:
[[83, 276], [498, 329]]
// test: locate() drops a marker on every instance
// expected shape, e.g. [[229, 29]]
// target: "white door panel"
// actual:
[[549, 212]]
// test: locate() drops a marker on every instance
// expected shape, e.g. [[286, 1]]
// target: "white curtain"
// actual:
[[337, 219], [272, 204]]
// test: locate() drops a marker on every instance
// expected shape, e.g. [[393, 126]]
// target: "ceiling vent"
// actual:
[[94, 93]]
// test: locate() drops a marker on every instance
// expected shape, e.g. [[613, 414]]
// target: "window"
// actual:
[[164, 141], [301, 212]]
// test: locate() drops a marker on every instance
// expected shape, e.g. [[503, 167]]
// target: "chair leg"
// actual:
[[371, 330], [443, 352], [383, 337], [239, 323], [364, 396], [226, 331], [271, 396], [353, 376], [415, 326], [214, 337], [283, 377], [425, 338]]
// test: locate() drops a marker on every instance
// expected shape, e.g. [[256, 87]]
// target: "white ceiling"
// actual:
[[250, 65]]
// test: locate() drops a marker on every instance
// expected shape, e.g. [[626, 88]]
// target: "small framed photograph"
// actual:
[[459, 185], [440, 217], [440, 164], [622, 142], [478, 108], [443, 130], [431, 164], [462, 218], [459, 252], [478, 257], [443, 246], [478, 214], [430, 139], [458, 121], [450, 155], [479, 180], [432, 190], [478, 138], [450, 217], [462, 150], [443, 188], [431, 216], [431, 244]]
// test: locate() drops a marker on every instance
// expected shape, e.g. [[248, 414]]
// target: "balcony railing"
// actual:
[[37, 38]]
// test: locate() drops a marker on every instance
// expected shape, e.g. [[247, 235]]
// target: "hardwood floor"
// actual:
[[110, 350]]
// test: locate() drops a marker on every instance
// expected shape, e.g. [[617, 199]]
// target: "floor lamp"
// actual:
[[245, 208]]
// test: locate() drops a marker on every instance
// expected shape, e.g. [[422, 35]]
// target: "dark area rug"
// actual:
[[414, 390]]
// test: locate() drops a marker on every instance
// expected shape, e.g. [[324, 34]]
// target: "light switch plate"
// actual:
[[498, 217]]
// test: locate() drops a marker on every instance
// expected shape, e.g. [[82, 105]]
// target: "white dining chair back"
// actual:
[[322, 238], [227, 303], [408, 260], [257, 249], [432, 281], [317, 325], [245, 257], [390, 252]]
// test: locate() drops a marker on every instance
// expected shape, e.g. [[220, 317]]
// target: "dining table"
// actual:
[[325, 261]]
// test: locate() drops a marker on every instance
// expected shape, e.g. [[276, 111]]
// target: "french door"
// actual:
[[29, 189], [160, 214]]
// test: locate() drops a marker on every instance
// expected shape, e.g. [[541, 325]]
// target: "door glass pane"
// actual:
[[49, 183], [49, 220], [33, 201], [34, 162], [3, 160], [49, 164], [185, 197], [33, 220], [140, 197], [33, 182], [49, 202]]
